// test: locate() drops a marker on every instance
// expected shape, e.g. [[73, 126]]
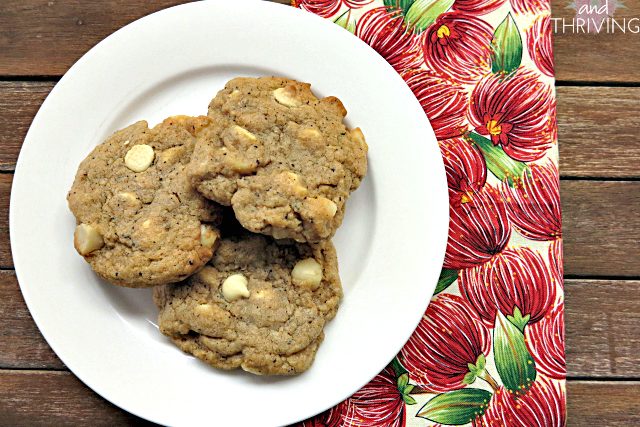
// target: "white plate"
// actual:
[[390, 247]]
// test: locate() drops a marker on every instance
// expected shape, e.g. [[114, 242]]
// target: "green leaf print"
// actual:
[[456, 407], [447, 277], [506, 47], [423, 13], [346, 21], [498, 162], [515, 365], [402, 5]]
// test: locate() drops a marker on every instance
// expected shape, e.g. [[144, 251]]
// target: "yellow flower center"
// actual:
[[494, 128], [443, 31], [466, 198]]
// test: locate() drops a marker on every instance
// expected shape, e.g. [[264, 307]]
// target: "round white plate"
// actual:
[[390, 247]]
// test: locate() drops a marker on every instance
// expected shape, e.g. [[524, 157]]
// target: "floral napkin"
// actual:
[[489, 350]]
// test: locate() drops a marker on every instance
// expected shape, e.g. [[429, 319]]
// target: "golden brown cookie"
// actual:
[[282, 158], [260, 305], [140, 223]]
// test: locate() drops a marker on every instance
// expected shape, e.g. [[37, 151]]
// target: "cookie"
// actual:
[[140, 223], [282, 158], [259, 305]]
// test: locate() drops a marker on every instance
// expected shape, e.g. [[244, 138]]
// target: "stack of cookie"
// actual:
[[229, 216]]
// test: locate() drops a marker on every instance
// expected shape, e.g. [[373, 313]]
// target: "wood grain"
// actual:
[[602, 336], [599, 128], [599, 131], [19, 103], [601, 227], [601, 329], [39, 37], [606, 403], [21, 344], [598, 57], [45, 398], [5, 247]]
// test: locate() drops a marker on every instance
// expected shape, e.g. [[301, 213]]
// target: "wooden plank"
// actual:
[[45, 398], [21, 344], [5, 248], [601, 317], [19, 103], [601, 57], [57, 398], [606, 403], [599, 131], [601, 227], [47, 37], [40, 37], [602, 335], [599, 127]]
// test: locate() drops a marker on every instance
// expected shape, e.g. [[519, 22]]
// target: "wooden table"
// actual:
[[598, 86]]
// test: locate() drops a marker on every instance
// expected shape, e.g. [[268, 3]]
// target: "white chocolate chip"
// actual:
[[234, 287], [204, 309], [307, 274], [291, 184], [87, 239], [208, 236], [171, 155], [130, 199], [146, 223], [209, 275], [139, 157], [239, 164], [126, 142], [234, 93], [358, 136], [286, 96], [310, 135], [243, 133], [322, 206]]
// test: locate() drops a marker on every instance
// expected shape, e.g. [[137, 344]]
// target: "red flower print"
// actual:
[[444, 102], [386, 32], [477, 7], [556, 261], [457, 45], [328, 8], [495, 413], [533, 204], [543, 404], [377, 404], [516, 278], [545, 341], [448, 338], [478, 229], [540, 44], [513, 111], [531, 6], [465, 168], [553, 121]]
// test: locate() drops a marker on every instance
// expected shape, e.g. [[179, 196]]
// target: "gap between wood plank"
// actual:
[[569, 378]]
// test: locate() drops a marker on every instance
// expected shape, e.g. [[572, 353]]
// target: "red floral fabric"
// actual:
[[489, 350]]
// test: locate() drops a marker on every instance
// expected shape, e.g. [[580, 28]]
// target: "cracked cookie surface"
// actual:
[[274, 327], [282, 158], [140, 223]]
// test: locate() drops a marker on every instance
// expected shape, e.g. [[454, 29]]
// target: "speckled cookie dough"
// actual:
[[282, 158], [259, 305], [140, 223]]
